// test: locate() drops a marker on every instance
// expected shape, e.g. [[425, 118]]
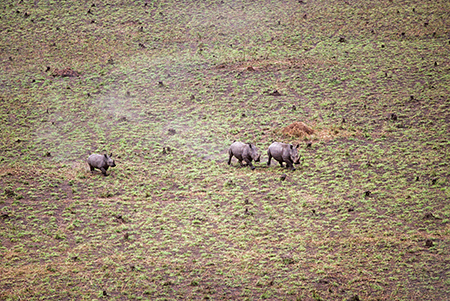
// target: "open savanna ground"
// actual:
[[166, 86]]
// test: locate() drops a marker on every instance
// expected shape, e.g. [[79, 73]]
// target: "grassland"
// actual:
[[364, 217]]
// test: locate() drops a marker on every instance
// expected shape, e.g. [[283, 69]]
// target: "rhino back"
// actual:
[[238, 149], [96, 160], [279, 150]]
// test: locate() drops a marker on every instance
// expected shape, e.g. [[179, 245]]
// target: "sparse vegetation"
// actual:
[[167, 86]]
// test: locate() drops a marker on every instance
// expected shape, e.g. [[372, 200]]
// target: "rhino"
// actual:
[[283, 152], [244, 152], [102, 162]]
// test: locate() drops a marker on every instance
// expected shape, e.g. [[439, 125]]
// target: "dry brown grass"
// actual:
[[297, 129], [302, 131]]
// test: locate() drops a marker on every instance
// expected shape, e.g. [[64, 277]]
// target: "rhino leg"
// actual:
[[281, 163], [103, 171], [249, 163], [92, 168], [270, 158], [229, 159], [290, 165]]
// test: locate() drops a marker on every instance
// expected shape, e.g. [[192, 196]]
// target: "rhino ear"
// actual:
[[290, 145], [110, 154], [106, 156], [297, 145], [250, 145]]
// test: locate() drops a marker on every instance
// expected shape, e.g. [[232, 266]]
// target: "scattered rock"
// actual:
[[172, 132], [48, 154], [161, 84], [120, 218], [294, 108], [272, 93], [142, 45], [429, 215], [433, 181], [10, 193], [429, 243], [126, 235], [367, 193], [354, 298], [342, 40], [351, 209], [192, 97], [229, 183], [288, 259], [4, 215], [250, 68], [283, 177], [122, 119], [308, 144], [392, 116], [48, 69], [66, 72]]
